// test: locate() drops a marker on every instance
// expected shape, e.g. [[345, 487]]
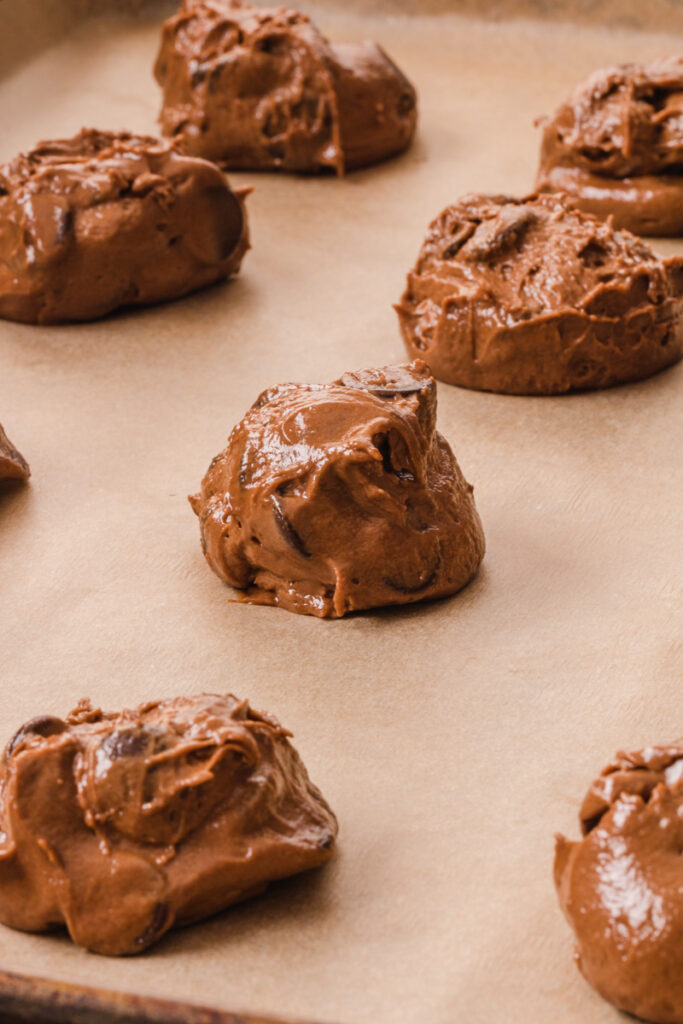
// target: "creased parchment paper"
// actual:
[[452, 739]]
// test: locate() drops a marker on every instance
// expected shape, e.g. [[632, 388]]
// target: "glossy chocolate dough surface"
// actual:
[[13, 465], [120, 826], [528, 296], [621, 886], [105, 220], [617, 146], [255, 88], [333, 498]]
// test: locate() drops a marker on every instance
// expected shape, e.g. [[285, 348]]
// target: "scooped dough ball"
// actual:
[[107, 219], [621, 886], [532, 297], [258, 88], [121, 825], [616, 146], [333, 498]]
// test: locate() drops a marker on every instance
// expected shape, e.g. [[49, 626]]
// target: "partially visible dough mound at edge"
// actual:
[[335, 498], [106, 220], [620, 886], [13, 465], [530, 296], [120, 826], [616, 146], [257, 88]]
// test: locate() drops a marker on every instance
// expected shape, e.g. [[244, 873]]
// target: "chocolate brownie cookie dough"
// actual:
[[261, 89], [105, 220], [532, 297], [13, 465], [616, 146], [333, 498], [621, 886], [120, 826]]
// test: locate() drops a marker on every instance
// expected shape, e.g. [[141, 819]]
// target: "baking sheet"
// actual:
[[452, 739]]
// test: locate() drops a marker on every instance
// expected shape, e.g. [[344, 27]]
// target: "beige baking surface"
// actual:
[[451, 739]]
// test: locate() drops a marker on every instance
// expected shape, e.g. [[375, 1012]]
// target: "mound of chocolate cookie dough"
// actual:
[[621, 886], [255, 88], [617, 146], [120, 826], [531, 297], [105, 220], [13, 465], [333, 498]]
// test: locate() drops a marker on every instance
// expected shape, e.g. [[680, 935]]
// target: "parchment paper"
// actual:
[[452, 739]]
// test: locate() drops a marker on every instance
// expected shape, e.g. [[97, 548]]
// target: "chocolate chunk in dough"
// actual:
[[616, 146], [105, 220], [13, 465], [333, 498], [261, 89], [532, 297], [120, 826], [621, 886]]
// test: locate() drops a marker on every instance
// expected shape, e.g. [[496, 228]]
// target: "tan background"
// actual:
[[452, 739]]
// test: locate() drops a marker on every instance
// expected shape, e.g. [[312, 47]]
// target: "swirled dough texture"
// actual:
[[105, 220], [531, 297], [262, 89], [120, 826], [333, 498], [13, 465], [621, 886], [616, 146]]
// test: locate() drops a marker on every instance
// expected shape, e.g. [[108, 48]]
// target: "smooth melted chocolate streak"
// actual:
[[120, 826], [331, 499]]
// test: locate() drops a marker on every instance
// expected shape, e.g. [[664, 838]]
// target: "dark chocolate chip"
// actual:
[[65, 225], [381, 443], [409, 588], [274, 44], [406, 104], [43, 725], [494, 237], [198, 75], [459, 234], [594, 254], [126, 743], [287, 530], [155, 926], [385, 390], [402, 588], [277, 150], [404, 389], [200, 755]]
